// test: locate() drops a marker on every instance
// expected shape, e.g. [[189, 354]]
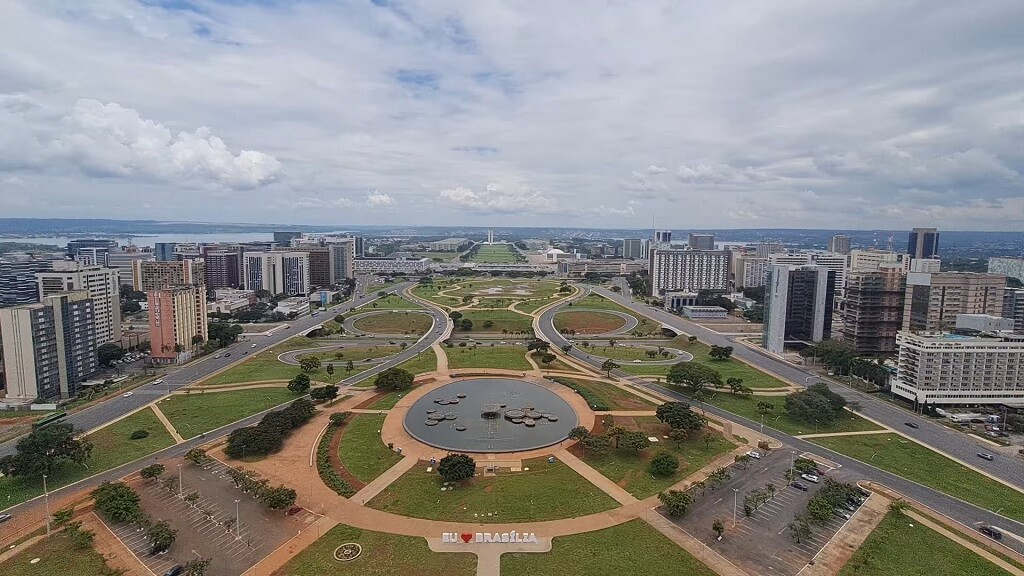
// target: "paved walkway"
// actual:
[[167, 424], [596, 478], [830, 434], [384, 480], [625, 413]]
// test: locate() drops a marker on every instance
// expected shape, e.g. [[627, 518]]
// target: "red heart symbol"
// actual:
[[466, 537]]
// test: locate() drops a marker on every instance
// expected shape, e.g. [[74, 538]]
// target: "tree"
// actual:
[[309, 363], [224, 333], [718, 527], [161, 537], [676, 502], [694, 377], [720, 352], [547, 358], [197, 456], [299, 384], [191, 498], [329, 392], [633, 442], [541, 345], [800, 528], [679, 416], [466, 324], [279, 498], [107, 353], [152, 472], [44, 449], [819, 511], [455, 315], [349, 366], [197, 567], [578, 433], [612, 343], [338, 418], [130, 307], [664, 464], [330, 369], [608, 366], [456, 467], [678, 436], [597, 445], [815, 404], [764, 408], [339, 319], [117, 502], [394, 379]]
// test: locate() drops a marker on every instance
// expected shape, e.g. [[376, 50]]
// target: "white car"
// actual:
[[252, 345], [810, 478], [754, 454], [157, 381], [638, 361], [215, 356], [126, 394]]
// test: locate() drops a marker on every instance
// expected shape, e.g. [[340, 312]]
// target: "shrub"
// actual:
[[664, 464], [267, 436], [139, 434], [330, 477]]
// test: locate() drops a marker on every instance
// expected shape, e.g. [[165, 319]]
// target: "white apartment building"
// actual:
[[689, 270], [942, 368], [277, 272], [834, 262], [392, 265], [102, 285], [871, 260], [751, 272]]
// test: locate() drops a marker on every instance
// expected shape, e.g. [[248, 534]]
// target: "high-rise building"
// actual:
[[277, 272], [319, 264], [223, 268], [632, 248], [177, 317], [1013, 308], [689, 270], [832, 261], [102, 286], [284, 239], [701, 241], [798, 305], [343, 255], [663, 238], [1009, 267], [49, 347], [18, 278], [930, 265], [767, 248], [154, 275], [942, 368], [923, 243], [164, 251], [933, 300], [868, 260], [751, 272], [360, 246], [91, 252], [840, 244], [122, 261], [874, 309]]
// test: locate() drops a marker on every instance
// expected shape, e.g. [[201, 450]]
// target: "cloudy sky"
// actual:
[[864, 114]]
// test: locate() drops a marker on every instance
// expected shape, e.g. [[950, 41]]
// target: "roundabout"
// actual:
[[591, 317], [389, 323]]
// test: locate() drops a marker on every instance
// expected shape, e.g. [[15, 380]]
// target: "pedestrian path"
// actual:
[[384, 480], [596, 478], [167, 424], [858, 433]]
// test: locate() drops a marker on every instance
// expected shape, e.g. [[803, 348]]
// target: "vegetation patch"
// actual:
[[601, 396], [361, 450], [395, 323], [328, 474], [731, 368], [585, 322], [391, 302], [201, 412], [421, 363], [57, 555], [494, 254], [486, 356], [505, 322]]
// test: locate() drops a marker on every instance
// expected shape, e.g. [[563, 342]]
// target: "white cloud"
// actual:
[[500, 199], [653, 169], [626, 211], [722, 174], [377, 199]]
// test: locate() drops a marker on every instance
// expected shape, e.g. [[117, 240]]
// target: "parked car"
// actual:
[[911, 424], [842, 514], [175, 571], [986, 456], [754, 454], [226, 354], [800, 486], [294, 510], [810, 478], [5, 517]]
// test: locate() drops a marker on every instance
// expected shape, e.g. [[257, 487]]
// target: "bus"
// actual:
[[50, 419]]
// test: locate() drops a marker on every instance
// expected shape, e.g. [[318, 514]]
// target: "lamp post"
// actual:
[[735, 493], [179, 481], [238, 534], [47, 493]]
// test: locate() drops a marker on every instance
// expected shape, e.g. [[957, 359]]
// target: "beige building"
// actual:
[[177, 315], [103, 287], [868, 260], [874, 309], [933, 300], [154, 275]]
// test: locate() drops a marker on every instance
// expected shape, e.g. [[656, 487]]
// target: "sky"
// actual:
[[699, 114]]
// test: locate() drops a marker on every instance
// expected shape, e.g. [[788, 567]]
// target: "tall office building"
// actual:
[[164, 251], [122, 261], [91, 252], [688, 270], [1009, 267], [155, 275], [177, 316], [277, 272], [923, 243], [868, 260], [49, 347], [701, 241], [18, 278], [840, 244], [360, 246], [932, 301], [874, 309], [1013, 308], [766, 248], [223, 268], [663, 238], [343, 256], [832, 261], [284, 239], [798, 305], [632, 248], [102, 286], [319, 264], [751, 272], [930, 265]]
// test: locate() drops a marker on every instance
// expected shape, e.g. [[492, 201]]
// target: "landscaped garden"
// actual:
[[629, 353], [544, 492], [382, 555], [497, 321], [496, 254], [899, 545], [729, 368], [646, 327], [395, 323], [361, 450], [423, 362], [587, 322], [896, 454], [630, 548], [486, 356], [602, 396], [201, 412]]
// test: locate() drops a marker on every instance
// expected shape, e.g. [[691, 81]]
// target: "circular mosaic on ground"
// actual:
[[490, 415]]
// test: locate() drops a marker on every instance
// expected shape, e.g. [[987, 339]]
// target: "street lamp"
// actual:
[[47, 493], [238, 534], [735, 493], [179, 481]]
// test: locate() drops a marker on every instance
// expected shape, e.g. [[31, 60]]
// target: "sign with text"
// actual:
[[489, 537]]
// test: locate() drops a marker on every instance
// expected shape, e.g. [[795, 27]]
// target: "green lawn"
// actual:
[[545, 492], [496, 254], [201, 412], [486, 356], [625, 353], [531, 306], [901, 546], [425, 361], [612, 396], [746, 406], [914, 462], [395, 323], [555, 364], [57, 557], [382, 555], [631, 548], [732, 368], [112, 447], [587, 322], [480, 287], [354, 351], [506, 320], [361, 450], [387, 402], [429, 292], [390, 302], [631, 472], [266, 366]]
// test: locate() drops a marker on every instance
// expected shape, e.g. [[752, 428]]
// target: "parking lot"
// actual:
[[761, 543], [208, 528]]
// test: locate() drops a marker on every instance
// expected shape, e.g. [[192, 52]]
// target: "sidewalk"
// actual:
[[596, 478], [167, 424], [384, 480]]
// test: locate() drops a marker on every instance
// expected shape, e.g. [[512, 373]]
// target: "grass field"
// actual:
[[901, 546], [57, 557], [746, 406], [612, 396], [355, 351], [197, 413], [731, 368], [484, 287], [555, 364], [484, 356], [531, 306], [425, 361], [496, 254], [390, 302], [395, 323], [631, 472], [584, 322], [382, 555], [500, 320], [262, 366], [361, 450], [545, 492], [631, 548], [429, 292], [112, 447], [646, 327], [626, 353], [912, 461]]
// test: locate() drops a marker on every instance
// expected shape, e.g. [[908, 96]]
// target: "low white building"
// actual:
[[392, 265], [696, 312], [299, 305], [228, 301]]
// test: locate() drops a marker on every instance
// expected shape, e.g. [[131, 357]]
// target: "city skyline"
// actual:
[[393, 113]]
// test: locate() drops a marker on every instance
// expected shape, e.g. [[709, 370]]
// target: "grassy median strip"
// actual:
[[389, 302], [200, 412], [746, 406], [361, 450], [486, 356], [896, 454], [603, 396]]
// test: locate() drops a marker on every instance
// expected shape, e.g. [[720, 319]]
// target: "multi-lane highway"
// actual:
[[957, 445]]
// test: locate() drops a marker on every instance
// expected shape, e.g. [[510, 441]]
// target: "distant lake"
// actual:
[[152, 239]]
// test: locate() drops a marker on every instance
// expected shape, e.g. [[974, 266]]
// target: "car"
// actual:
[[638, 361], [253, 345], [754, 454], [5, 517], [810, 478], [286, 327], [800, 486], [158, 381], [842, 514], [911, 424], [990, 531], [850, 507], [226, 354], [175, 570], [293, 510], [126, 394], [986, 456], [215, 356]]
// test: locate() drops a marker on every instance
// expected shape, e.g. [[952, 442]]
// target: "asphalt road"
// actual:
[[175, 378], [956, 444]]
